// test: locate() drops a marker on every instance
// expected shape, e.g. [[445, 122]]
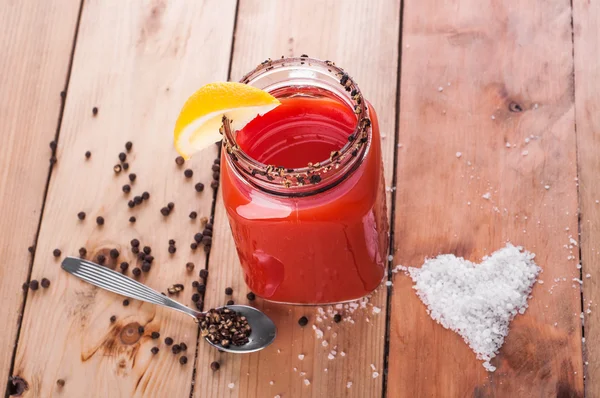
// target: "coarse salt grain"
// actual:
[[301, 357], [486, 196], [349, 384], [376, 310], [306, 382], [375, 375], [230, 385], [271, 382], [477, 301], [458, 154]]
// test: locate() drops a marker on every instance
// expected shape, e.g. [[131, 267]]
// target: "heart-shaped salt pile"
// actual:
[[477, 301]]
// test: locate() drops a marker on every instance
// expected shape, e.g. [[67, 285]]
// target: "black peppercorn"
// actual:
[[171, 242], [137, 200], [193, 245], [60, 382], [147, 249], [128, 145], [217, 161], [146, 195], [125, 302], [207, 232], [207, 241], [170, 205], [124, 265], [176, 349], [228, 291], [122, 156], [172, 249], [56, 252], [179, 160], [134, 243], [131, 204], [183, 346], [45, 283], [199, 305], [198, 237], [214, 184], [154, 350], [207, 249], [195, 297], [164, 211], [114, 253], [140, 329], [113, 319], [216, 175], [125, 166], [209, 226], [100, 220], [155, 335], [303, 321], [132, 219], [141, 256], [31, 249], [117, 168], [136, 271], [195, 284], [149, 258], [34, 285], [126, 188], [230, 302], [188, 173], [101, 259], [215, 366], [132, 177], [199, 187], [216, 167], [135, 250], [193, 215], [203, 273], [82, 252], [81, 215], [251, 296], [88, 154], [201, 288], [146, 266], [25, 286], [168, 341], [189, 266], [183, 360], [95, 110], [337, 318]]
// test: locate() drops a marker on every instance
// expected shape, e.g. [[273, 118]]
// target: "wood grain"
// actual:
[[364, 40], [492, 81], [36, 48], [586, 24], [137, 62]]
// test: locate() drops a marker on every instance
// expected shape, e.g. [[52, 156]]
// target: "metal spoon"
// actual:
[[263, 329]]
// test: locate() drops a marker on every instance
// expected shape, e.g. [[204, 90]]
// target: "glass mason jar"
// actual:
[[315, 234]]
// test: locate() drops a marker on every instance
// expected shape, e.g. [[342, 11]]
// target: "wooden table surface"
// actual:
[[513, 86]]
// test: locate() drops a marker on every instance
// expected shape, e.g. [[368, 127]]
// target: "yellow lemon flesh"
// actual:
[[198, 124]]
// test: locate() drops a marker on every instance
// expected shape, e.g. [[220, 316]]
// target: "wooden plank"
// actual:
[[465, 65], [36, 49], [586, 26], [137, 62], [369, 54]]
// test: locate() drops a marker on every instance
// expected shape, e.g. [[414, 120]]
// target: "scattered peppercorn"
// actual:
[[155, 335], [132, 177], [126, 188], [146, 266], [230, 302], [183, 346], [117, 168], [207, 249], [52, 160], [216, 167], [137, 200], [171, 242], [149, 258], [128, 145], [168, 341], [189, 266], [134, 243], [172, 249], [188, 173], [122, 156], [56, 252], [147, 249], [81, 215], [303, 321], [207, 232], [195, 297], [146, 195], [215, 366], [131, 204], [216, 175], [170, 205], [199, 305], [100, 220], [34, 285], [154, 350], [193, 215], [88, 154], [165, 211], [132, 219], [193, 245], [214, 184], [141, 330], [82, 252], [183, 360], [135, 250], [31, 249], [114, 253], [337, 318], [124, 265], [228, 291], [45, 283], [251, 296], [125, 302], [136, 272], [174, 289], [207, 241], [113, 319], [95, 110], [199, 187], [198, 237], [195, 284], [125, 166], [176, 349], [25, 286], [101, 259], [63, 94], [141, 256], [209, 226], [60, 382], [179, 160], [203, 273]]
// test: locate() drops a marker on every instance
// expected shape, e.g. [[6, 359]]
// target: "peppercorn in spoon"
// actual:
[[252, 330]]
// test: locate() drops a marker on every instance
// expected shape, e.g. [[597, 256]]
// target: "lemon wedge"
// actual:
[[198, 124]]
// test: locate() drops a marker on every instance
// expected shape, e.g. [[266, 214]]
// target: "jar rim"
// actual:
[[316, 177]]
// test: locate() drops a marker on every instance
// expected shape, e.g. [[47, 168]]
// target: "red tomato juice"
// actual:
[[323, 248]]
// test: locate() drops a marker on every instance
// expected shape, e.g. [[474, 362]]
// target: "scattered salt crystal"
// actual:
[[535, 106], [271, 382], [583, 339], [278, 351], [319, 333], [330, 357], [325, 370], [302, 373], [527, 140], [486, 196], [390, 257], [597, 200], [541, 282], [301, 357], [376, 310], [295, 369], [324, 343], [458, 154], [388, 283], [375, 375], [230, 385], [343, 353], [349, 384], [493, 117], [588, 275], [373, 367], [525, 153], [472, 299], [440, 88], [277, 396], [306, 382], [547, 186], [578, 265], [572, 241], [508, 145]]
